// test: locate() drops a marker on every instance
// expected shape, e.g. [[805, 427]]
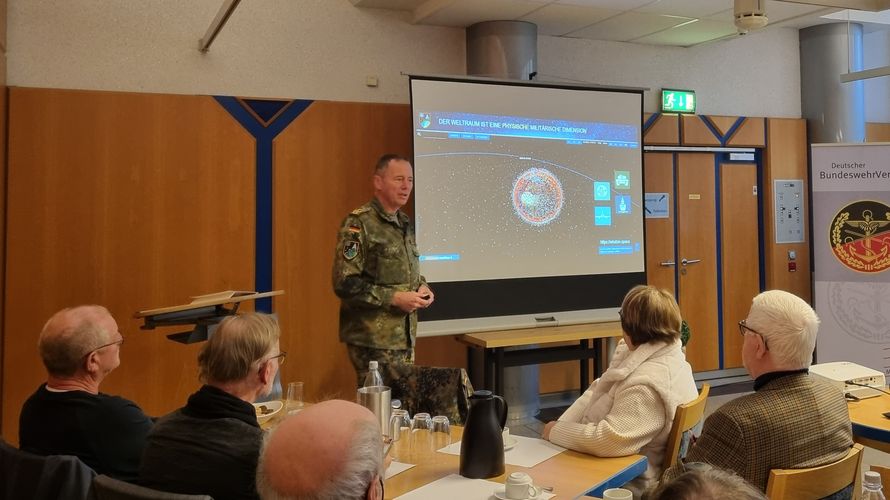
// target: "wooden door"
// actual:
[[740, 252], [660, 258], [697, 257]]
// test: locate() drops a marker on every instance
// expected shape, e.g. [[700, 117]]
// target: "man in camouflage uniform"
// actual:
[[377, 275]]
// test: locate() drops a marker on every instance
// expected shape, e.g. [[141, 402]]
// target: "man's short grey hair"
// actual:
[[363, 463], [788, 325], [63, 351]]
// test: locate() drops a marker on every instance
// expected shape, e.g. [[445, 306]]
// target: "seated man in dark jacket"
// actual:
[[68, 415], [211, 446]]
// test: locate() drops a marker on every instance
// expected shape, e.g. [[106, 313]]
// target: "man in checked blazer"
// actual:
[[792, 420]]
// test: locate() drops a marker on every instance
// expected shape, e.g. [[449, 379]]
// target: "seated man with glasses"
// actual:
[[211, 445], [68, 415], [792, 420], [332, 449]]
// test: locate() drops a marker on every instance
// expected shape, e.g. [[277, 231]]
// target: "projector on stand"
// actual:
[[854, 380]]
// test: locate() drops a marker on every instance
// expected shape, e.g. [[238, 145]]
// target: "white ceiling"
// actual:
[[682, 23]]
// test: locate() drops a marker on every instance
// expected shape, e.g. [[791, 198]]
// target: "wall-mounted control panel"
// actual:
[[789, 211]]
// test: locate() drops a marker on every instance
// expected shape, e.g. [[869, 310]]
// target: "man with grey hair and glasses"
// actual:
[[68, 415], [330, 450], [211, 445], [792, 420]]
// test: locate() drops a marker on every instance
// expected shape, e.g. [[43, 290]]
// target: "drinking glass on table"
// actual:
[[421, 426], [399, 424], [294, 400], [441, 432]]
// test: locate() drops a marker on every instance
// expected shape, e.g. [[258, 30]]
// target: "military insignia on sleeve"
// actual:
[[350, 250]]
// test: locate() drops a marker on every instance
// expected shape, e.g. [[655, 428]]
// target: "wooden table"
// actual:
[[496, 357], [571, 474], [870, 427]]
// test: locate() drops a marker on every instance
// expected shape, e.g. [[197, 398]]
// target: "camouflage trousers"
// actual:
[[437, 391]]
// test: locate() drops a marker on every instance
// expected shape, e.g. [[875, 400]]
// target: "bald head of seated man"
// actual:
[[332, 449], [79, 347]]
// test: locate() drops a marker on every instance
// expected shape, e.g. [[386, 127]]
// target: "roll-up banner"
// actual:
[[851, 245]]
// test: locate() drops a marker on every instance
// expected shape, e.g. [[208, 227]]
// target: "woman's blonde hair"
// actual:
[[650, 314], [238, 345]]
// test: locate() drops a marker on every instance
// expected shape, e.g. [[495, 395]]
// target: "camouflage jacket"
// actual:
[[376, 256]]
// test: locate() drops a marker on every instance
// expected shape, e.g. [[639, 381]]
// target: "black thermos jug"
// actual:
[[482, 445]]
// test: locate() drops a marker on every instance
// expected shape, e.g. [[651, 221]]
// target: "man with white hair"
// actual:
[[330, 450], [792, 420], [68, 415]]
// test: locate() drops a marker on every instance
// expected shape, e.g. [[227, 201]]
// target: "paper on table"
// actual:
[[528, 452], [455, 486], [396, 468]]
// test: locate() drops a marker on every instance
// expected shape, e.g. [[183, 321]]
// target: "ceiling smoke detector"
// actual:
[[750, 15]]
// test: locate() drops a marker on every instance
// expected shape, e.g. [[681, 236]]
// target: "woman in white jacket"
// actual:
[[630, 408]]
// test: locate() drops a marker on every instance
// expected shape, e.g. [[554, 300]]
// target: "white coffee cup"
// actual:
[[519, 486], [506, 435], [617, 494]]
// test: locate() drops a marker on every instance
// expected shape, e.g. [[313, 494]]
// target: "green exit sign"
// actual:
[[677, 101]]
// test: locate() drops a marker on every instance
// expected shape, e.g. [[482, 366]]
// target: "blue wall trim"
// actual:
[[732, 130], [264, 135], [761, 237], [713, 128], [723, 138], [718, 158], [650, 121]]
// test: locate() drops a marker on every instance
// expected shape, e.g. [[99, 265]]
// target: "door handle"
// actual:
[[690, 261], [666, 263]]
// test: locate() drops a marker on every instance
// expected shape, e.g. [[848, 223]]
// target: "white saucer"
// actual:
[[510, 443], [501, 494]]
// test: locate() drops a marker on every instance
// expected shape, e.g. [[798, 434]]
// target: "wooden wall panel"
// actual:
[[696, 221], [721, 123], [695, 132], [664, 132], [786, 158], [660, 232], [751, 133], [740, 250], [3, 110], [131, 201], [323, 167], [877, 132]]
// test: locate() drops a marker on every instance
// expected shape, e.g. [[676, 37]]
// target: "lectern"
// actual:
[[204, 312]]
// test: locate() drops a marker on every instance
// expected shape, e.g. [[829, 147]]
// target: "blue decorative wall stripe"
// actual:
[[719, 241], [732, 130], [723, 138], [253, 115], [651, 121]]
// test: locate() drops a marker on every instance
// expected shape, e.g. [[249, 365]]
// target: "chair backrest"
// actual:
[[37, 477], [816, 482], [109, 488], [884, 471], [687, 416]]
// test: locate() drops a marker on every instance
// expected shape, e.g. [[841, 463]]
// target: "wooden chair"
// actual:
[[884, 471], [817, 482], [687, 416]]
